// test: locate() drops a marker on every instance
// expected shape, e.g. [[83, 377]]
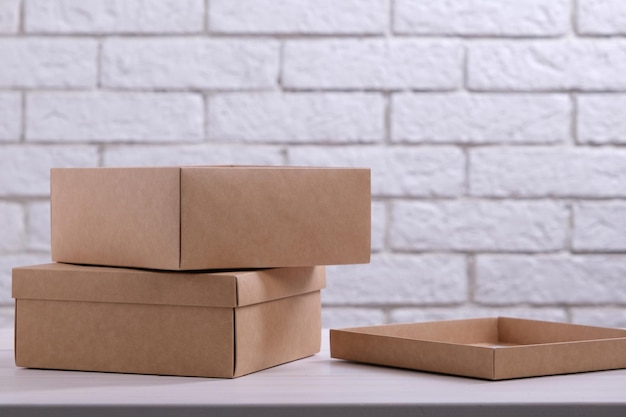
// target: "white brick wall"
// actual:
[[9, 15], [48, 63], [296, 117], [586, 65], [550, 279], [482, 17], [495, 130], [548, 172], [332, 17], [601, 17], [485, 118], [113, 116], [194, 62], [492, 226], [601, 119], [600, 226], [114, 16], [11, 116], [388, 64]]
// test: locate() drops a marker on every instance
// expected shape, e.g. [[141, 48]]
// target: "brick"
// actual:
[[415, 172], [26, 168], [9, 16], [399, 279], [300, 117], [46, 62], [117, 16], [604, 317], [191, 155], [482, 118], [601, 119], [482, 17], [38, 226], [601, 17], [299, 16], [8, 262], [10, 116], [372, 63], [12, 226], [333, 317], [408, 315], [600, 226], [550, 279], [479, 226], [7, 317], [548, 172], [587, 65], [114, 116], [190, 62], [379, 225]]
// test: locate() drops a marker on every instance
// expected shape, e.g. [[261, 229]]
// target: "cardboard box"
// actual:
[[192, 218], [490, 348], [222, 324]]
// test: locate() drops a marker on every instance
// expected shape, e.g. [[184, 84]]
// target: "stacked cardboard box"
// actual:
[[200, 271]]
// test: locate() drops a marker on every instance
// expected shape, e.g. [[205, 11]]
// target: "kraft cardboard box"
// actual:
[[490, 348], [192, 218], [220, 324]]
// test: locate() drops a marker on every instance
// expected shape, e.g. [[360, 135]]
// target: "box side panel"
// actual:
[[129, 338], [521, 331], [276, 332], [271, 284], [560, 358], [116, 216], [449, 331], [264, 217], [412, 354]]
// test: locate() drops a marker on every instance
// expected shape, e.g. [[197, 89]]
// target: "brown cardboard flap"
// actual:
[[69, 282]]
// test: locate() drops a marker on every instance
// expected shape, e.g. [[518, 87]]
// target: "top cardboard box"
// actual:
[[221, 217]]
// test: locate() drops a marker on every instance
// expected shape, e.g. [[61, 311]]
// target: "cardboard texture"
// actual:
[[218, 324], [490, 348], [193, 218]]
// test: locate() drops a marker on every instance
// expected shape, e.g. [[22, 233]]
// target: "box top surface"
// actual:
[[58, 281]]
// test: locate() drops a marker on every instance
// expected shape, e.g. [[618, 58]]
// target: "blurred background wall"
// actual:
[[495, 131]]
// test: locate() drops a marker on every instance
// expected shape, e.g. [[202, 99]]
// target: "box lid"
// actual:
[[489, 348], [59, 281]]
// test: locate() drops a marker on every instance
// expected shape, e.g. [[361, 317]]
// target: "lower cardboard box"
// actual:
[[488, 348], [209, 324]]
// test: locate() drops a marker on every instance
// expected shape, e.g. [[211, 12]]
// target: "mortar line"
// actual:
[[575, 140], [24, 109]]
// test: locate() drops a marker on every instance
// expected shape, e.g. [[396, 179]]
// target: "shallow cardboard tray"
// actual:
[[221, 324], [488, 348]]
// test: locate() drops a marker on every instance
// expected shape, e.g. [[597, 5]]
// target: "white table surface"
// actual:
[[317, 385]]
